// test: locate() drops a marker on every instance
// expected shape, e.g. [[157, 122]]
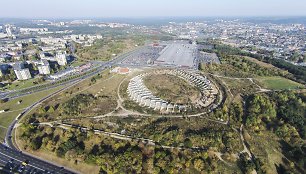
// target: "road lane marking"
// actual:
[[21, 161], [3, 161]]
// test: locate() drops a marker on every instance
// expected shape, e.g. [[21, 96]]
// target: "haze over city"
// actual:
[[144, 8]]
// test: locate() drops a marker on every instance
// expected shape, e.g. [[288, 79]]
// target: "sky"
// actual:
[[149, 8]]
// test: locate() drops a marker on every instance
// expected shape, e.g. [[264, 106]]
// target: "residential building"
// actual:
[[47, 56], [21, 72], [61, 58], [63, 73], [3, 35], [44, 67]]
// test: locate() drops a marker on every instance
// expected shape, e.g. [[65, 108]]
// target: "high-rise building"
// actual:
[[8, 30], [61, 58], [44, 68], [21, 72]]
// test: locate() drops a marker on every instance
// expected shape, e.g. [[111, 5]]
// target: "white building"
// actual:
[[47, 56], [61, 59], [3, 35], [44, 68], [21, 72], [28, 30], [63, 73], [9, 31]]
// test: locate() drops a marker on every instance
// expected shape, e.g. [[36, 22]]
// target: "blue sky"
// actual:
[[150, 8]]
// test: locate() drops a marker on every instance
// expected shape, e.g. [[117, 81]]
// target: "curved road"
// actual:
[[10, 152]]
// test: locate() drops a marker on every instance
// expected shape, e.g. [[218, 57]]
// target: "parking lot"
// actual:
[[143, 57], [179, 54]]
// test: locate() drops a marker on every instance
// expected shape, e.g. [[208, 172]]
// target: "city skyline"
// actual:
[[158, 8]]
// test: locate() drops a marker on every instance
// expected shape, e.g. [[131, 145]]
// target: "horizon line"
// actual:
[[144, 17]]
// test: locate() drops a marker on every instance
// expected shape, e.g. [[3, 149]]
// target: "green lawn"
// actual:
[[15, 108], [278, 83], [7, 118], [22, 84], [2, 133], [26, 100], [77, 63]]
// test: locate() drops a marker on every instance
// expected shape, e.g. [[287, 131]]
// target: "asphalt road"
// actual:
[[13, 158], [8, 138], [91, 72], [9, 152]]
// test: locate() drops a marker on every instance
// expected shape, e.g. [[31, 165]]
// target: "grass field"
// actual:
[[268, 151], [77, 63], [104, 90], [2, 133], [7, 118], [105, 49], [13, 105], [263, 64], [23, 84], [171, 88], [278, 83], [15, 108], [243, 86]]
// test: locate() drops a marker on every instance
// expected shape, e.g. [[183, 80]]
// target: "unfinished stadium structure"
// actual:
[[140, 94]]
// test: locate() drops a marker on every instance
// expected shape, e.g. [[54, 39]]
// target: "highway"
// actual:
[[11, 160], [9, 152], [71, 79], [8, 138]]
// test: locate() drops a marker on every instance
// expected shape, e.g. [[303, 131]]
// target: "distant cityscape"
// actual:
[[282, 41], [43, 42]]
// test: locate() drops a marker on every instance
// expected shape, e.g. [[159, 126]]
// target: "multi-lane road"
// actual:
[[10, 156], [68, 80], [12, 160]]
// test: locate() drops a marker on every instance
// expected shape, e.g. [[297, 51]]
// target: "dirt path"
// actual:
[[245, 149], [120, 111], [120, 136]]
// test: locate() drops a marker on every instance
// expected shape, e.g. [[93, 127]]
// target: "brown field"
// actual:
[[171, 88], [104, 90], [240, 86]]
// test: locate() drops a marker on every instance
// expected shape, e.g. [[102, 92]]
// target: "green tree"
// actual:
[[188, 143], [199, 164]]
